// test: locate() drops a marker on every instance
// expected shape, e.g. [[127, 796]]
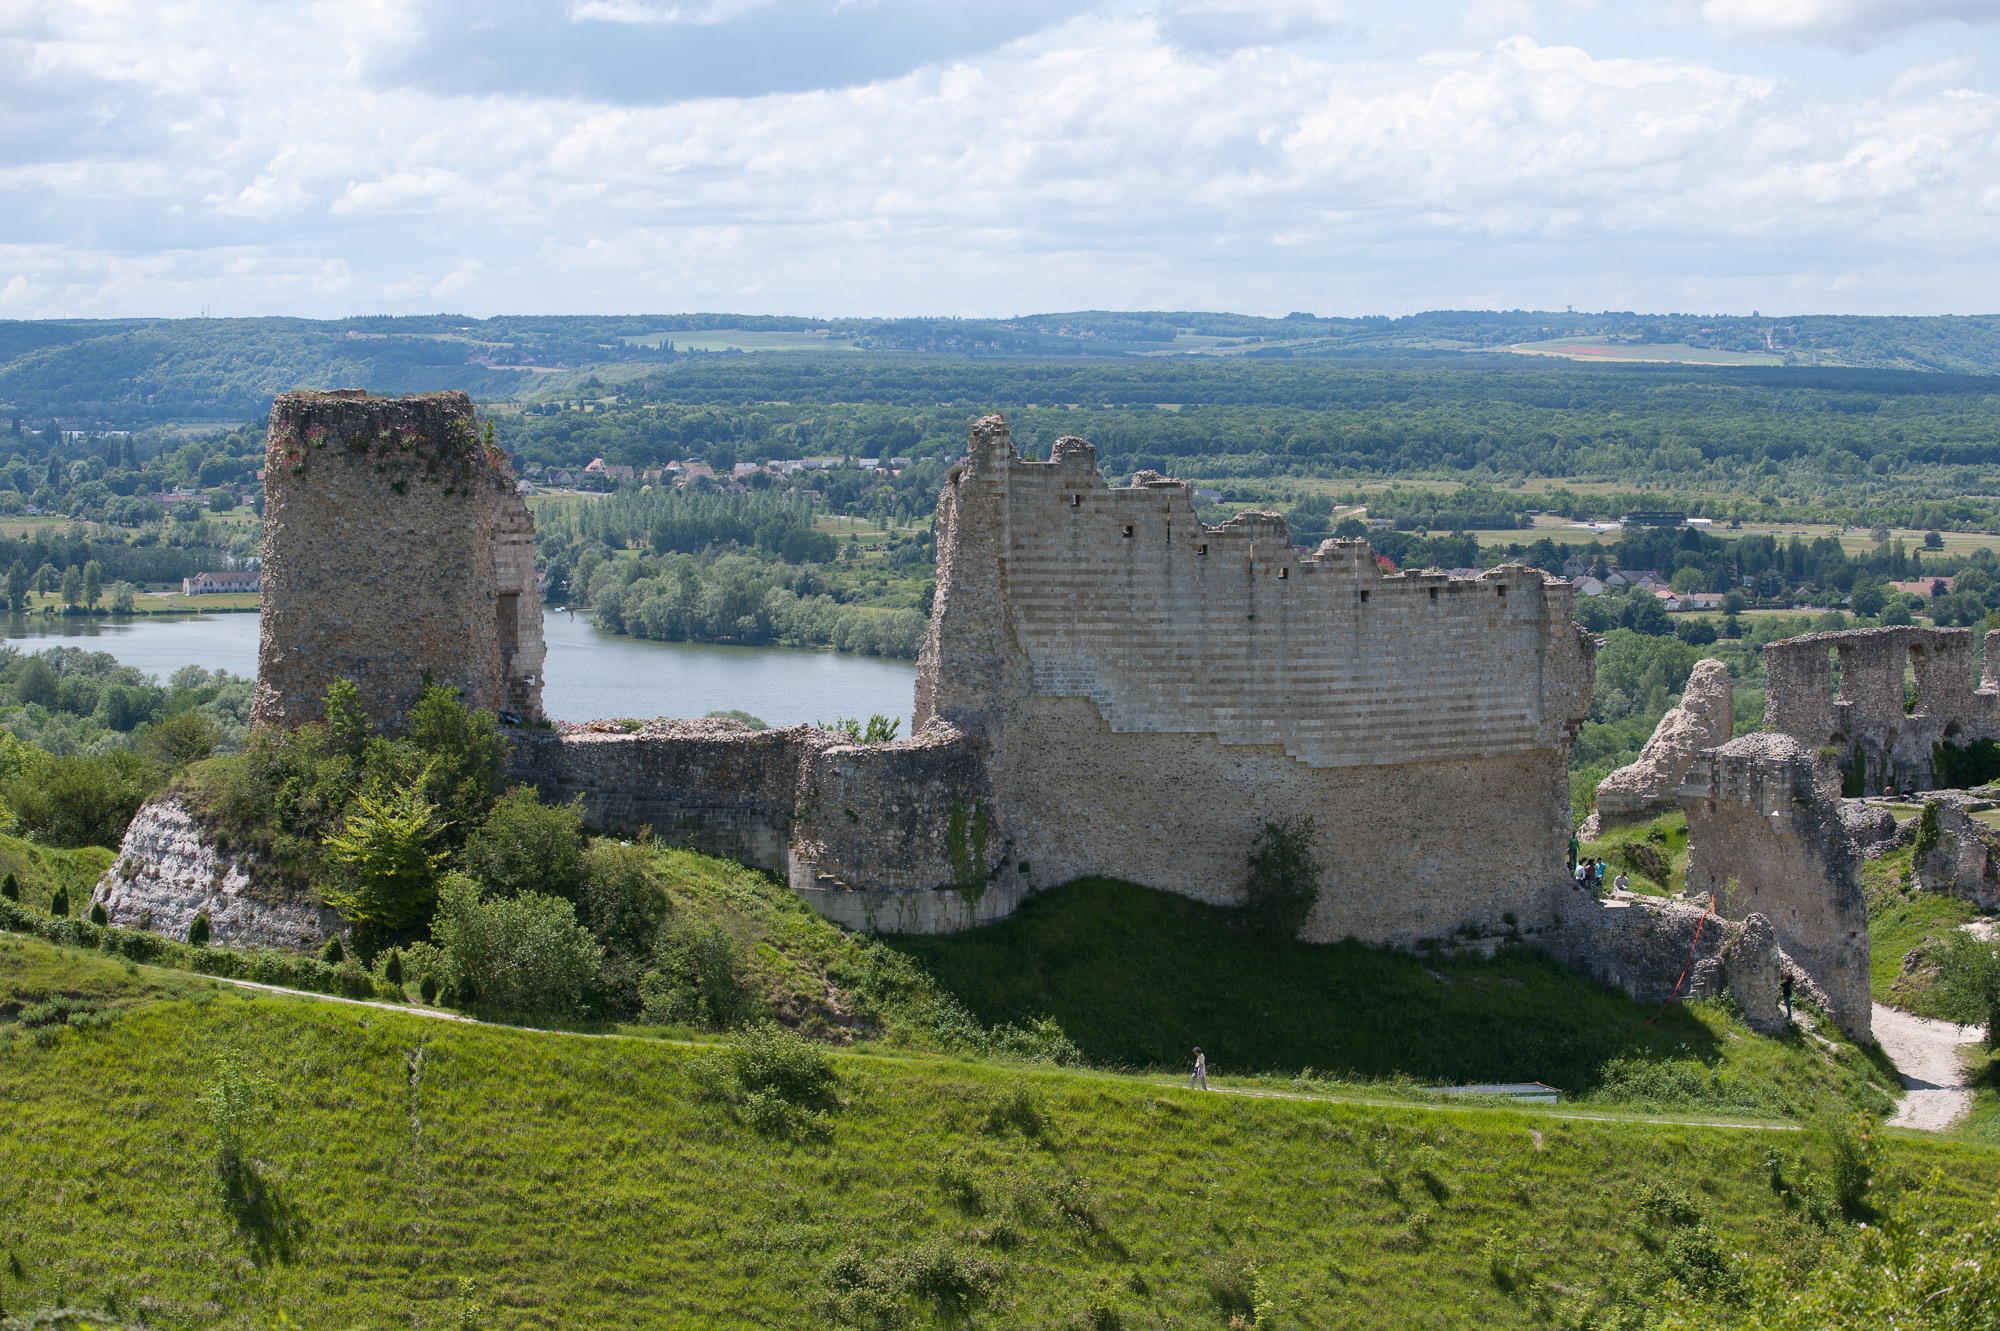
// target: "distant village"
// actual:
[[600, 475]]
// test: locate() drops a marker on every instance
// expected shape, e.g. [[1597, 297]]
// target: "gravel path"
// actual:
[[1925, 1053]]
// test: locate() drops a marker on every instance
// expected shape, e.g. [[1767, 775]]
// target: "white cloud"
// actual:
[[1849, 23], [1111, 161]]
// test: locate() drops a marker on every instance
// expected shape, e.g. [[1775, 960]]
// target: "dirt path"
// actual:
[[1925, 1053]]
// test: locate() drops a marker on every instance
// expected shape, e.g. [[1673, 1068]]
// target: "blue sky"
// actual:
[[994, 157]]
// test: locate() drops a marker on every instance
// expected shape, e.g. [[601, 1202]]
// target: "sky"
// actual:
[[997, 157]]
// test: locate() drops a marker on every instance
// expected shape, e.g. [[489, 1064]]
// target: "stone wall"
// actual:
[[1867, 713], [1147, 691], [1765, 836], [395, 546], [1651, 786]]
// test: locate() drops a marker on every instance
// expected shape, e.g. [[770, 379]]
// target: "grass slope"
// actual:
[[423, 1173], [1139, 977]]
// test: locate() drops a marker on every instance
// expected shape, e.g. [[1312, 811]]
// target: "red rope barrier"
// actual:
[[1686, 965]]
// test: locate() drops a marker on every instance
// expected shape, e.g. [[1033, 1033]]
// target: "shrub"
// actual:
[[390, 871], [621, 902], [696, 979], [183, 738], [82, 801], [98, 916], [198, 930], [1927, 833], [464, 754], [1968, 985], [1284, 878], [428, 990], [392, 969], [774, 1081], [524, 953], [525, 845], [11, 888], [331, 951]]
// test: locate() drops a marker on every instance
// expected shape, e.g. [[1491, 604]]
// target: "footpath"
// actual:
[[1925, 1053]]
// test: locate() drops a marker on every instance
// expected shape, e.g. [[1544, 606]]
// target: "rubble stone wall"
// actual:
[[1651, 786], [1867, 713], [1765, 836], [394, 546]]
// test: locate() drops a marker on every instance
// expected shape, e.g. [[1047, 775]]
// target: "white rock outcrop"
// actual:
[[1651, 786], [167, 872]]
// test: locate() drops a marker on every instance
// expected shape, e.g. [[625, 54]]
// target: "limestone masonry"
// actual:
[[395, 546], [1651, 786], [1108, 686], [1867, 721]]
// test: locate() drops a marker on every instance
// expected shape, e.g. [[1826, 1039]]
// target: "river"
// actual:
[[590, 674]]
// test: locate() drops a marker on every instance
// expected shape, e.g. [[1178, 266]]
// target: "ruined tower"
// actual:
[[395, 549]]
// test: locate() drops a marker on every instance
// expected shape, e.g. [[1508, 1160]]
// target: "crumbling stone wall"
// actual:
[[1866, 721], [1146, 691], [395, 546], [1765, 836], [1651, 786]]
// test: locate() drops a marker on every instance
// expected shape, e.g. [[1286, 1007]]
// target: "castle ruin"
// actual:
[[1883, 735], [396, 552]]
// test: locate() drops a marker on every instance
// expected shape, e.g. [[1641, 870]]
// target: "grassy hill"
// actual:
[[381, 1168]]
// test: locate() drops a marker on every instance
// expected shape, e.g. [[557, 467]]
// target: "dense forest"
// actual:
[[126, 372]]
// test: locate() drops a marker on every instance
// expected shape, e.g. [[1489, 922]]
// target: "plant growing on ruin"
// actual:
[[1927, 833], [1284, 878], [965, 842], [390, 871], [198, 930], [525, 845]]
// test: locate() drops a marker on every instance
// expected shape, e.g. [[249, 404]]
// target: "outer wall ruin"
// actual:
[[394, 545], [1866, 721], [1147, 691]]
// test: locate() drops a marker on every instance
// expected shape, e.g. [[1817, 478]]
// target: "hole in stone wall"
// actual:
[[507, 619], [1075, 500], [1500, 591], [1434, 593], [1201, 549], [1364, 598], [1128, 529], [1283, 574]]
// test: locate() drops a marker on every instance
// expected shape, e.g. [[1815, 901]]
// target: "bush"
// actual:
[[1968, 987], [777, 1083], [332, 952], [98, 916], [390, 870], [59, 903], [11, 888], [1284, 878], [622, 903], [464, 754], [82, 801], [392, 970], [183, 738], [696, 980], [525, 845], [523, 953], [198, 930]]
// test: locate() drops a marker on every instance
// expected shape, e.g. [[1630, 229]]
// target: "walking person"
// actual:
[[1200, 1077], [1598, 875]]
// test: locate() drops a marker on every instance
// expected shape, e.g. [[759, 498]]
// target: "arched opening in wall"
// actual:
[[507, 622]]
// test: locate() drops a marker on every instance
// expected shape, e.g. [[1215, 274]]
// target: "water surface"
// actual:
[[590, 674]]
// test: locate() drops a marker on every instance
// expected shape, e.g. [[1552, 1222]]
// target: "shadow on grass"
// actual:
[[1139, 977], [272, 1221]]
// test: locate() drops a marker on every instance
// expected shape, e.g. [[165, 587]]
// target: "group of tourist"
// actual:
[[1590, 876]]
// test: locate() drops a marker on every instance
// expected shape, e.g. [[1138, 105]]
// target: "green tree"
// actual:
[[17, 588], [464, 754], [93, 583], [72, 585], [525, 845], [389, 872], [520, 954], [47, 579], [1284, 878]]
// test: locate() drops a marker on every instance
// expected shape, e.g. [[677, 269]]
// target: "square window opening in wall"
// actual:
[[1499, 591], [1283, 574], [1434, 593], [1075, 501], [1128, 529], [1364, 598], [1201, 549]]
